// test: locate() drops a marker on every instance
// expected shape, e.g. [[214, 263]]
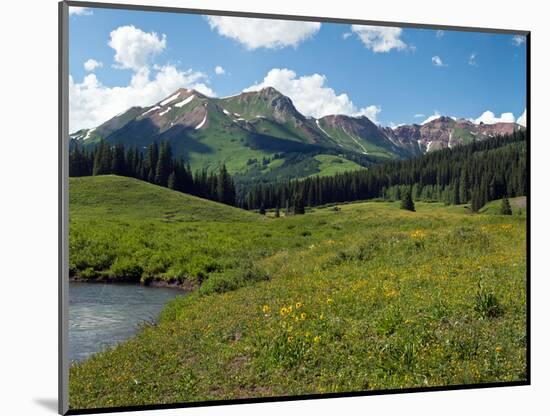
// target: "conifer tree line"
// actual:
[[475, 173], [156, 165]]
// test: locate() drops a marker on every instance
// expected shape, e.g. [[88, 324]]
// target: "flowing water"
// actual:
[[102, 315]]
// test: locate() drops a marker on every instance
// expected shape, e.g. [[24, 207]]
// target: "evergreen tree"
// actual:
[[277, 213], [505, 208], [164, 164], [172, 180], [102, 159], [262, 210], [225, 188], [299, 206], [456, 194], [406, 201], [118, 160], [477, 200], [464, 188]]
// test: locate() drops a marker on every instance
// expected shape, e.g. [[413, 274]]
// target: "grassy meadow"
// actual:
[[353, 297]]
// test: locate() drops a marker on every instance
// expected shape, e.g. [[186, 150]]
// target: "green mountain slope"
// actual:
[[265, 126]]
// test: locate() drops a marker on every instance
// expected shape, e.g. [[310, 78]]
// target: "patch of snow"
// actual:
[[88, 133], [169, 100], [165, 111], [320, 128], [227, 113], [356, 141], [261, 117], [151, 109], [202, 122], [237, 114], [428, 146], [183, 102]]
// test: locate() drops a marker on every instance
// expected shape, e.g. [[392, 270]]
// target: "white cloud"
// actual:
[[419, 115], [311, 96], [518, 40], [92, 103], [91, 65], [488, 117], [219, 70], [439, 34], [434, 116], [346, 35], [80, 11], [437, 61], [472, 60], [263, 33], [135, 48], [522, 120], [380, 39]]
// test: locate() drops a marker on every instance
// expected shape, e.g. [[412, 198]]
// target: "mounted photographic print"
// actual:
[[259, 208]]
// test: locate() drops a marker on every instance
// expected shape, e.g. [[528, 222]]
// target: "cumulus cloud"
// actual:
[[437, 61], [518, 40], [379, 38], [135, 48], [439, 34], [346, 35], [80, 11], [219, 70], [472, 59], [92, 103], [522, 120], [263, 33], [91, 65], [311, 96], [488, 117]]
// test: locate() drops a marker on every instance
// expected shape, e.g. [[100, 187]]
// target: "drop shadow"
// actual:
[[48, 404]]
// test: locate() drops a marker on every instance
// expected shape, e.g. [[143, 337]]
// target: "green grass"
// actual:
[[366, 297], [518, 206], [330, 165]]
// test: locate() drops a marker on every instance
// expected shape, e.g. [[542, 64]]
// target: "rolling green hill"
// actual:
[[360, 297]]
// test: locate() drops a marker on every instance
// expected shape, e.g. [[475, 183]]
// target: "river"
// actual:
[[102, 315]]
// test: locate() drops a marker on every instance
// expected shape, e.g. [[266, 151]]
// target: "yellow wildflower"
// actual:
[[283, 311], [299, 305], [303, 316], [290, 338], [317, 338], [498, 349], [265, 309], [418, 234], [329, 301]]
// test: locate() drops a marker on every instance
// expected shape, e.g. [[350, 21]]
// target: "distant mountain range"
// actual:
[[261, 134]]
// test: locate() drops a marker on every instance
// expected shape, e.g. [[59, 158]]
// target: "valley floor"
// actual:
[[361, 297]]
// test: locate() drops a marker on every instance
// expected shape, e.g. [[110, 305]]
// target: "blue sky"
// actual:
[[391, 75]]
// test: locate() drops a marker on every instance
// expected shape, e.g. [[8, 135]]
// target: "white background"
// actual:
[[28, 205]]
